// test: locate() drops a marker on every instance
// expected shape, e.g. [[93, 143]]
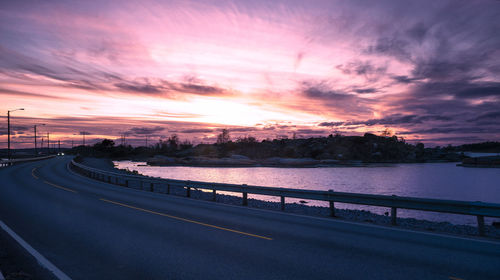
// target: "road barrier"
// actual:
[[477, 208], [4, 163]]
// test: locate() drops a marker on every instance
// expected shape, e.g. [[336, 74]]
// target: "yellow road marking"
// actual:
[[49, 183], [33, 173], [186, 220], [60, 187]]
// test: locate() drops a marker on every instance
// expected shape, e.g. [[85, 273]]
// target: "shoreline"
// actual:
[[276, 162], [351, 215], [236, 160]]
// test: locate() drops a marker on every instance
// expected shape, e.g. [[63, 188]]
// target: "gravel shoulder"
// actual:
[[16, 263]]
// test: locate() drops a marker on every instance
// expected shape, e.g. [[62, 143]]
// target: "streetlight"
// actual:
[[8, 130], [36, 152]]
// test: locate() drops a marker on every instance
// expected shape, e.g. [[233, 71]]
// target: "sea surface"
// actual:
[[426, 180]]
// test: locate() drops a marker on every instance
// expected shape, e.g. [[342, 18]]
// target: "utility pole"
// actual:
[[146, 141], [8, 131], [36, 151], [123, 139], [59, 146], [48, 144]]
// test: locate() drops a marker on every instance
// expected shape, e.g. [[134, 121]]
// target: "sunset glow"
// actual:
[[266, 69]]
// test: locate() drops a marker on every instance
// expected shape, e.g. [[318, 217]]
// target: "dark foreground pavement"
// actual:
[[92, 230]]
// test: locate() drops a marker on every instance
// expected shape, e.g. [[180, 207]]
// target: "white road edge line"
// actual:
[[41, 259], [1, 276]]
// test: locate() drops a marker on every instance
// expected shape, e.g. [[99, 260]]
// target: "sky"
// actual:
[[427, 71]]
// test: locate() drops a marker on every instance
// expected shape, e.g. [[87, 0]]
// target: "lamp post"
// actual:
[[48, 144], [36, 152], [8, 130]]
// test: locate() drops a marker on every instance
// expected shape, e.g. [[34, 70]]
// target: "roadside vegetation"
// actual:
[[368, 148]]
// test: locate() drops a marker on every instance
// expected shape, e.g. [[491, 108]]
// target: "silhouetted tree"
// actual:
[[186, 145], [173, 142], [105, 146], [246, 140], [223, 137], [387, 132]]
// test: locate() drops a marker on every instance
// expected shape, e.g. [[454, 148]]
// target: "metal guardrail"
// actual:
[[478, 209], [4, 163]]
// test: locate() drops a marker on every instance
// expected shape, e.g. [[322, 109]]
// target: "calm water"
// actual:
[[429, 180]]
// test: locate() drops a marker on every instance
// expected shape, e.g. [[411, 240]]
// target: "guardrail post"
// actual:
[[480, 225], [168, 188], [188, 190], [394, 212], [245, 197], [151, 187], [282, 203], [214, 195], [109, 179], [332, 207], [126, 183]]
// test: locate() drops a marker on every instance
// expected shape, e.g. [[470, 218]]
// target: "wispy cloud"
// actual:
[[196, 67]]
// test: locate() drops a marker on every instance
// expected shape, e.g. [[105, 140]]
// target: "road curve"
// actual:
[[93, 230]]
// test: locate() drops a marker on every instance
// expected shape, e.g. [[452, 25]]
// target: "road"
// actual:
[[93, 230]]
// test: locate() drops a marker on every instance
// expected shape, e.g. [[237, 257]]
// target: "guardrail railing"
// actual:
[[478, 209], [4, 163]]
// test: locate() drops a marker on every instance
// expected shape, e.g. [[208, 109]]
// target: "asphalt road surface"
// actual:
[[93, 230]]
